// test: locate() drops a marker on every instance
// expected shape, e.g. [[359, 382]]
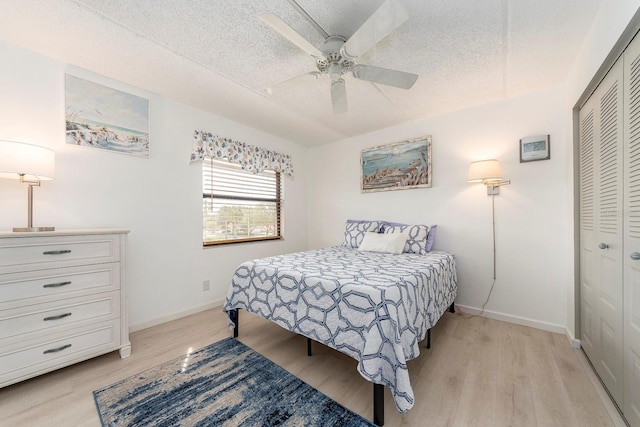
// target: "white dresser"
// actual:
[[62, 300]]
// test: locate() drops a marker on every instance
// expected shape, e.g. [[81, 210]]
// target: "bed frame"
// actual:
[[378, 389]]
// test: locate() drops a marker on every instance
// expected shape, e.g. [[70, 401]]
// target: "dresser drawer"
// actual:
[[60, 350], [46, 285], [30, 253], [57, 314]]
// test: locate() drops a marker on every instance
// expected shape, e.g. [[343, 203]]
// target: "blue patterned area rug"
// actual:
[[223, 384]]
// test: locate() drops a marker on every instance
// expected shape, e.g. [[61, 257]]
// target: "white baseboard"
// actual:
[[174, 316], [575, 343], [545, 326]]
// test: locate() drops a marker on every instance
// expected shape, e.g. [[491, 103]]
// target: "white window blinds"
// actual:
[[238, 205]]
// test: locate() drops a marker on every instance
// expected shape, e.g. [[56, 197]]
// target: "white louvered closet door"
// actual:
[[601, 247], [588, 287], [631, 255], [609, 237]]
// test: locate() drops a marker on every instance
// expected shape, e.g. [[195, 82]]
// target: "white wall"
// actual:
[[158, 199], [534, 239]]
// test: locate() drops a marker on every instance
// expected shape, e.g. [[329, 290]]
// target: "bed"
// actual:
[[375, 307]]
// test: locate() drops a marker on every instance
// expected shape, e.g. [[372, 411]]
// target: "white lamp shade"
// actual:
[[34, 162], [484, 170]]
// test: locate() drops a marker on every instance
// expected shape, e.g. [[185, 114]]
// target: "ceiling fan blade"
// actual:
[[291, 83], [338, 96], [384, 76], [280, 26], [389, 16]]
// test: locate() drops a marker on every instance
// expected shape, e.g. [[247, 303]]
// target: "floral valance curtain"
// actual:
[[251, 158]]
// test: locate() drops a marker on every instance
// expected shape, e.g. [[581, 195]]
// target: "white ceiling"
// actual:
[[218, 56]]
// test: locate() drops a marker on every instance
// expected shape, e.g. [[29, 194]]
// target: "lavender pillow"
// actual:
[[355, 230], [420, 239], [431, 236]]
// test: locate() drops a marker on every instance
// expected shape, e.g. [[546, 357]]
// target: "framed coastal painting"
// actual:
[[101, 117], [398, 166]]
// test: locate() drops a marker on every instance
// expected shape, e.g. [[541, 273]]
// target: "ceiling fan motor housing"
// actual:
[[333, 62]]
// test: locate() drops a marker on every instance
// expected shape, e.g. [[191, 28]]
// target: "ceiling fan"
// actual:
[[338, 56]]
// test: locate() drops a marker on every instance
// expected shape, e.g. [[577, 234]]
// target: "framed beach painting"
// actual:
[[101, 117], [397, 166]]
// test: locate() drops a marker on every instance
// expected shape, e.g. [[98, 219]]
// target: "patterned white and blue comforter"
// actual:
[[373, 307]]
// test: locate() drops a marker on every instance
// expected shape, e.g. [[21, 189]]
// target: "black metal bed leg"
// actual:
[[428, 338], [309, 347], [233, 315], [378, 404], [452, 308]]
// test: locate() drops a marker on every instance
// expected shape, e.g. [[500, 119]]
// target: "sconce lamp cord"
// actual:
[[493, 231]]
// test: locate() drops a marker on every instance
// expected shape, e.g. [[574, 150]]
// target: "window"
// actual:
[[239, 206]]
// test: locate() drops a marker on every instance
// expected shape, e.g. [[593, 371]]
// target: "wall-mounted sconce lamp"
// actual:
[[30, 164], [487, 172]]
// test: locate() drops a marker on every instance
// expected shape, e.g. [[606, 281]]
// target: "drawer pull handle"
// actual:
[[58, 317], [60, 252], [55, 350], [56, 285]]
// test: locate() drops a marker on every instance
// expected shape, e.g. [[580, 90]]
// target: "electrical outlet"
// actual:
[[205, 285]]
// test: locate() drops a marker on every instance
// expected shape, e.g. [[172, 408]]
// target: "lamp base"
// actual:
[[16, 229]]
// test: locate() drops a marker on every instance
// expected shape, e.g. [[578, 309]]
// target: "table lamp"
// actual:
[[30, 164]]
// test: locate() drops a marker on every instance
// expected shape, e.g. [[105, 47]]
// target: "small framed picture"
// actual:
[[535, 148]]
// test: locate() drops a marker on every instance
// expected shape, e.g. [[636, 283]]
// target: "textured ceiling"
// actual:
[[217, 55]]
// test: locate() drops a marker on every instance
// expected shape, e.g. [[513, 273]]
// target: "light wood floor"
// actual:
[[478, 372]]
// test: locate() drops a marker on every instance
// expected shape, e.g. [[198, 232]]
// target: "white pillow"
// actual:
[[417, 239], [392, 243]]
